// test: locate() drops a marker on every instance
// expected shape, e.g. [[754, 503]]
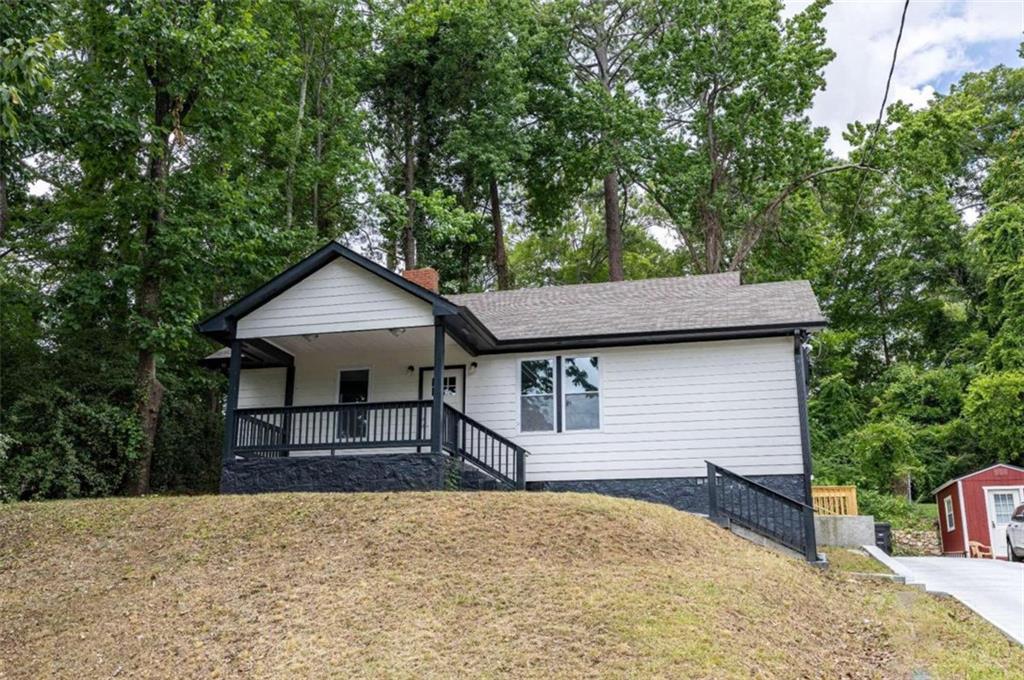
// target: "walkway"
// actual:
[[992, 588]]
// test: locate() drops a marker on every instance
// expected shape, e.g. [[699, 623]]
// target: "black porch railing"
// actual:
[[484, 448], [274, 431], [764, 511]]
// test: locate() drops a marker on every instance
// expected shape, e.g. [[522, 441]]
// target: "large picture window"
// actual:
[[537, 395], [581, 390]]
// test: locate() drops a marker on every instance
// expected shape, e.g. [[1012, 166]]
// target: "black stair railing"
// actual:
[[764, 511], [484, 448]]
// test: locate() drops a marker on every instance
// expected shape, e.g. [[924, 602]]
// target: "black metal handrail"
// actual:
[[484, 448], [275, 431], [762, 510]]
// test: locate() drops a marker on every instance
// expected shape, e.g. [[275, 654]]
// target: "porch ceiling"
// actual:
[[416, 339]]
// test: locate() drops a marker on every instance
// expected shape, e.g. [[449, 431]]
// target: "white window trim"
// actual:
[[947, 505], [337, 381], [990, 508], [600, 392], [519, 396]]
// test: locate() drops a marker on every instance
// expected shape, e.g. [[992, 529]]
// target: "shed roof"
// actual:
[[977, 472]]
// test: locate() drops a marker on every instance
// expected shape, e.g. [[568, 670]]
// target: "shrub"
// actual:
[[68, 447]]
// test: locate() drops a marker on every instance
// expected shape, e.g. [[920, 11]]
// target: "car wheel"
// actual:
[[1011, 554]]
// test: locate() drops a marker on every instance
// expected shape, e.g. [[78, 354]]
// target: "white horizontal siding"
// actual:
[[337, 298], [665, 409], [261, 387]]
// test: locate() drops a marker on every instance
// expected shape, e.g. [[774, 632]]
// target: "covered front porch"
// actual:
[[380, 397]]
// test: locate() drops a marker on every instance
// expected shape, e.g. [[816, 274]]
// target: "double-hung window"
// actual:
[[581, 394], [559, 394], [948, 503], [537, 395]]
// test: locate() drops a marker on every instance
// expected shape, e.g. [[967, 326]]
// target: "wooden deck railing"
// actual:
[[834, 500]]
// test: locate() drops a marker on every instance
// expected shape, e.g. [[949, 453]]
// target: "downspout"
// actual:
[[800, 366]]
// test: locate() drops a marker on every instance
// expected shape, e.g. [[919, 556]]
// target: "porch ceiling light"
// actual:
[[396, 331]]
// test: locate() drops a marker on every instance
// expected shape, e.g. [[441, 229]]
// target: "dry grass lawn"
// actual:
[[446, 585], [853, 561]]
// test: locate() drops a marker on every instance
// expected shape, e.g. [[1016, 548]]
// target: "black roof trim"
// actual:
[[218, 325], [650, 338]]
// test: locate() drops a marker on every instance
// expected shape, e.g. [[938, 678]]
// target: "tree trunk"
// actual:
[[149, 390], [322, 225], [4, 214], [408, 236], [712, 239], [613, 226], [500, 257], [296, 140]]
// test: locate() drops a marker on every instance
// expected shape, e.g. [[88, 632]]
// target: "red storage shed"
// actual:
[[977, 507]]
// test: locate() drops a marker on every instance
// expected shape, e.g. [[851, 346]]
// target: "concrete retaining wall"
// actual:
[[845, 531]]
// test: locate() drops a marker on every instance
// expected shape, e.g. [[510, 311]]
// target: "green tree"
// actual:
[[994, 410], [733, 82]]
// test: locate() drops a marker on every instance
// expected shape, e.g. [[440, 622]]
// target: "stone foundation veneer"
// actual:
[[427, 472], [372, 472], [682, 493]]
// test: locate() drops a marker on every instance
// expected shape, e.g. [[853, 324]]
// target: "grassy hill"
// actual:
[[441, 585]]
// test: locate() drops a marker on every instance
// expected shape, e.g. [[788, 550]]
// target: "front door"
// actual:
[[453, 387], [1001, 503]]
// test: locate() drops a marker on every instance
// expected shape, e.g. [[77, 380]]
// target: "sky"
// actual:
[[941, 41]]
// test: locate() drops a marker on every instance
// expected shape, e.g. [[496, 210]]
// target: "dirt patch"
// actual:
[[440, 585]]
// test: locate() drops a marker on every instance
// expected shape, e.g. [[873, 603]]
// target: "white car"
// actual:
[[1015, 535]]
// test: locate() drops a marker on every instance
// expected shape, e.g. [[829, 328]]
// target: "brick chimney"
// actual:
[[427, 277]]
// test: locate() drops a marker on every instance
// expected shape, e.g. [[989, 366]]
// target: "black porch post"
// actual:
[[437, 409], [231, 403], [289, 396]]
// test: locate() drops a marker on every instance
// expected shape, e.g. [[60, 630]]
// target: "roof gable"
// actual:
[[219, 325]]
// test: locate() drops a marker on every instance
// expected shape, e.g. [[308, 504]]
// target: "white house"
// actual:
[[628, 388]]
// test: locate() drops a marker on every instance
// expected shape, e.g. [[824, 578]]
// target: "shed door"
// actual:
[[1001, 503]]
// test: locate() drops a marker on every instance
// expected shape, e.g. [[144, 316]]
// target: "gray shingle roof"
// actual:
[[690, 303]]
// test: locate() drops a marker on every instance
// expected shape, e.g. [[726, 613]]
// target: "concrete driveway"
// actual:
[[992, 588]]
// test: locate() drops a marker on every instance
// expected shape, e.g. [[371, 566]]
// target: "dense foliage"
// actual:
[[159, 159]]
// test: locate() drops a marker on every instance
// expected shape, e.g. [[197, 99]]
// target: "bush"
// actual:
[[67, 447], [883, 454], [896, 510]]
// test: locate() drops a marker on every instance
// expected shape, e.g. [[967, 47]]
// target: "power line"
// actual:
[[870, 150], [888, 80]]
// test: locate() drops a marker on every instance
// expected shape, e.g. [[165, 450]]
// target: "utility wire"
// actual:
[[870, 150]]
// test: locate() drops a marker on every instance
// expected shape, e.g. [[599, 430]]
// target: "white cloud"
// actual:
[[941, 40]]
